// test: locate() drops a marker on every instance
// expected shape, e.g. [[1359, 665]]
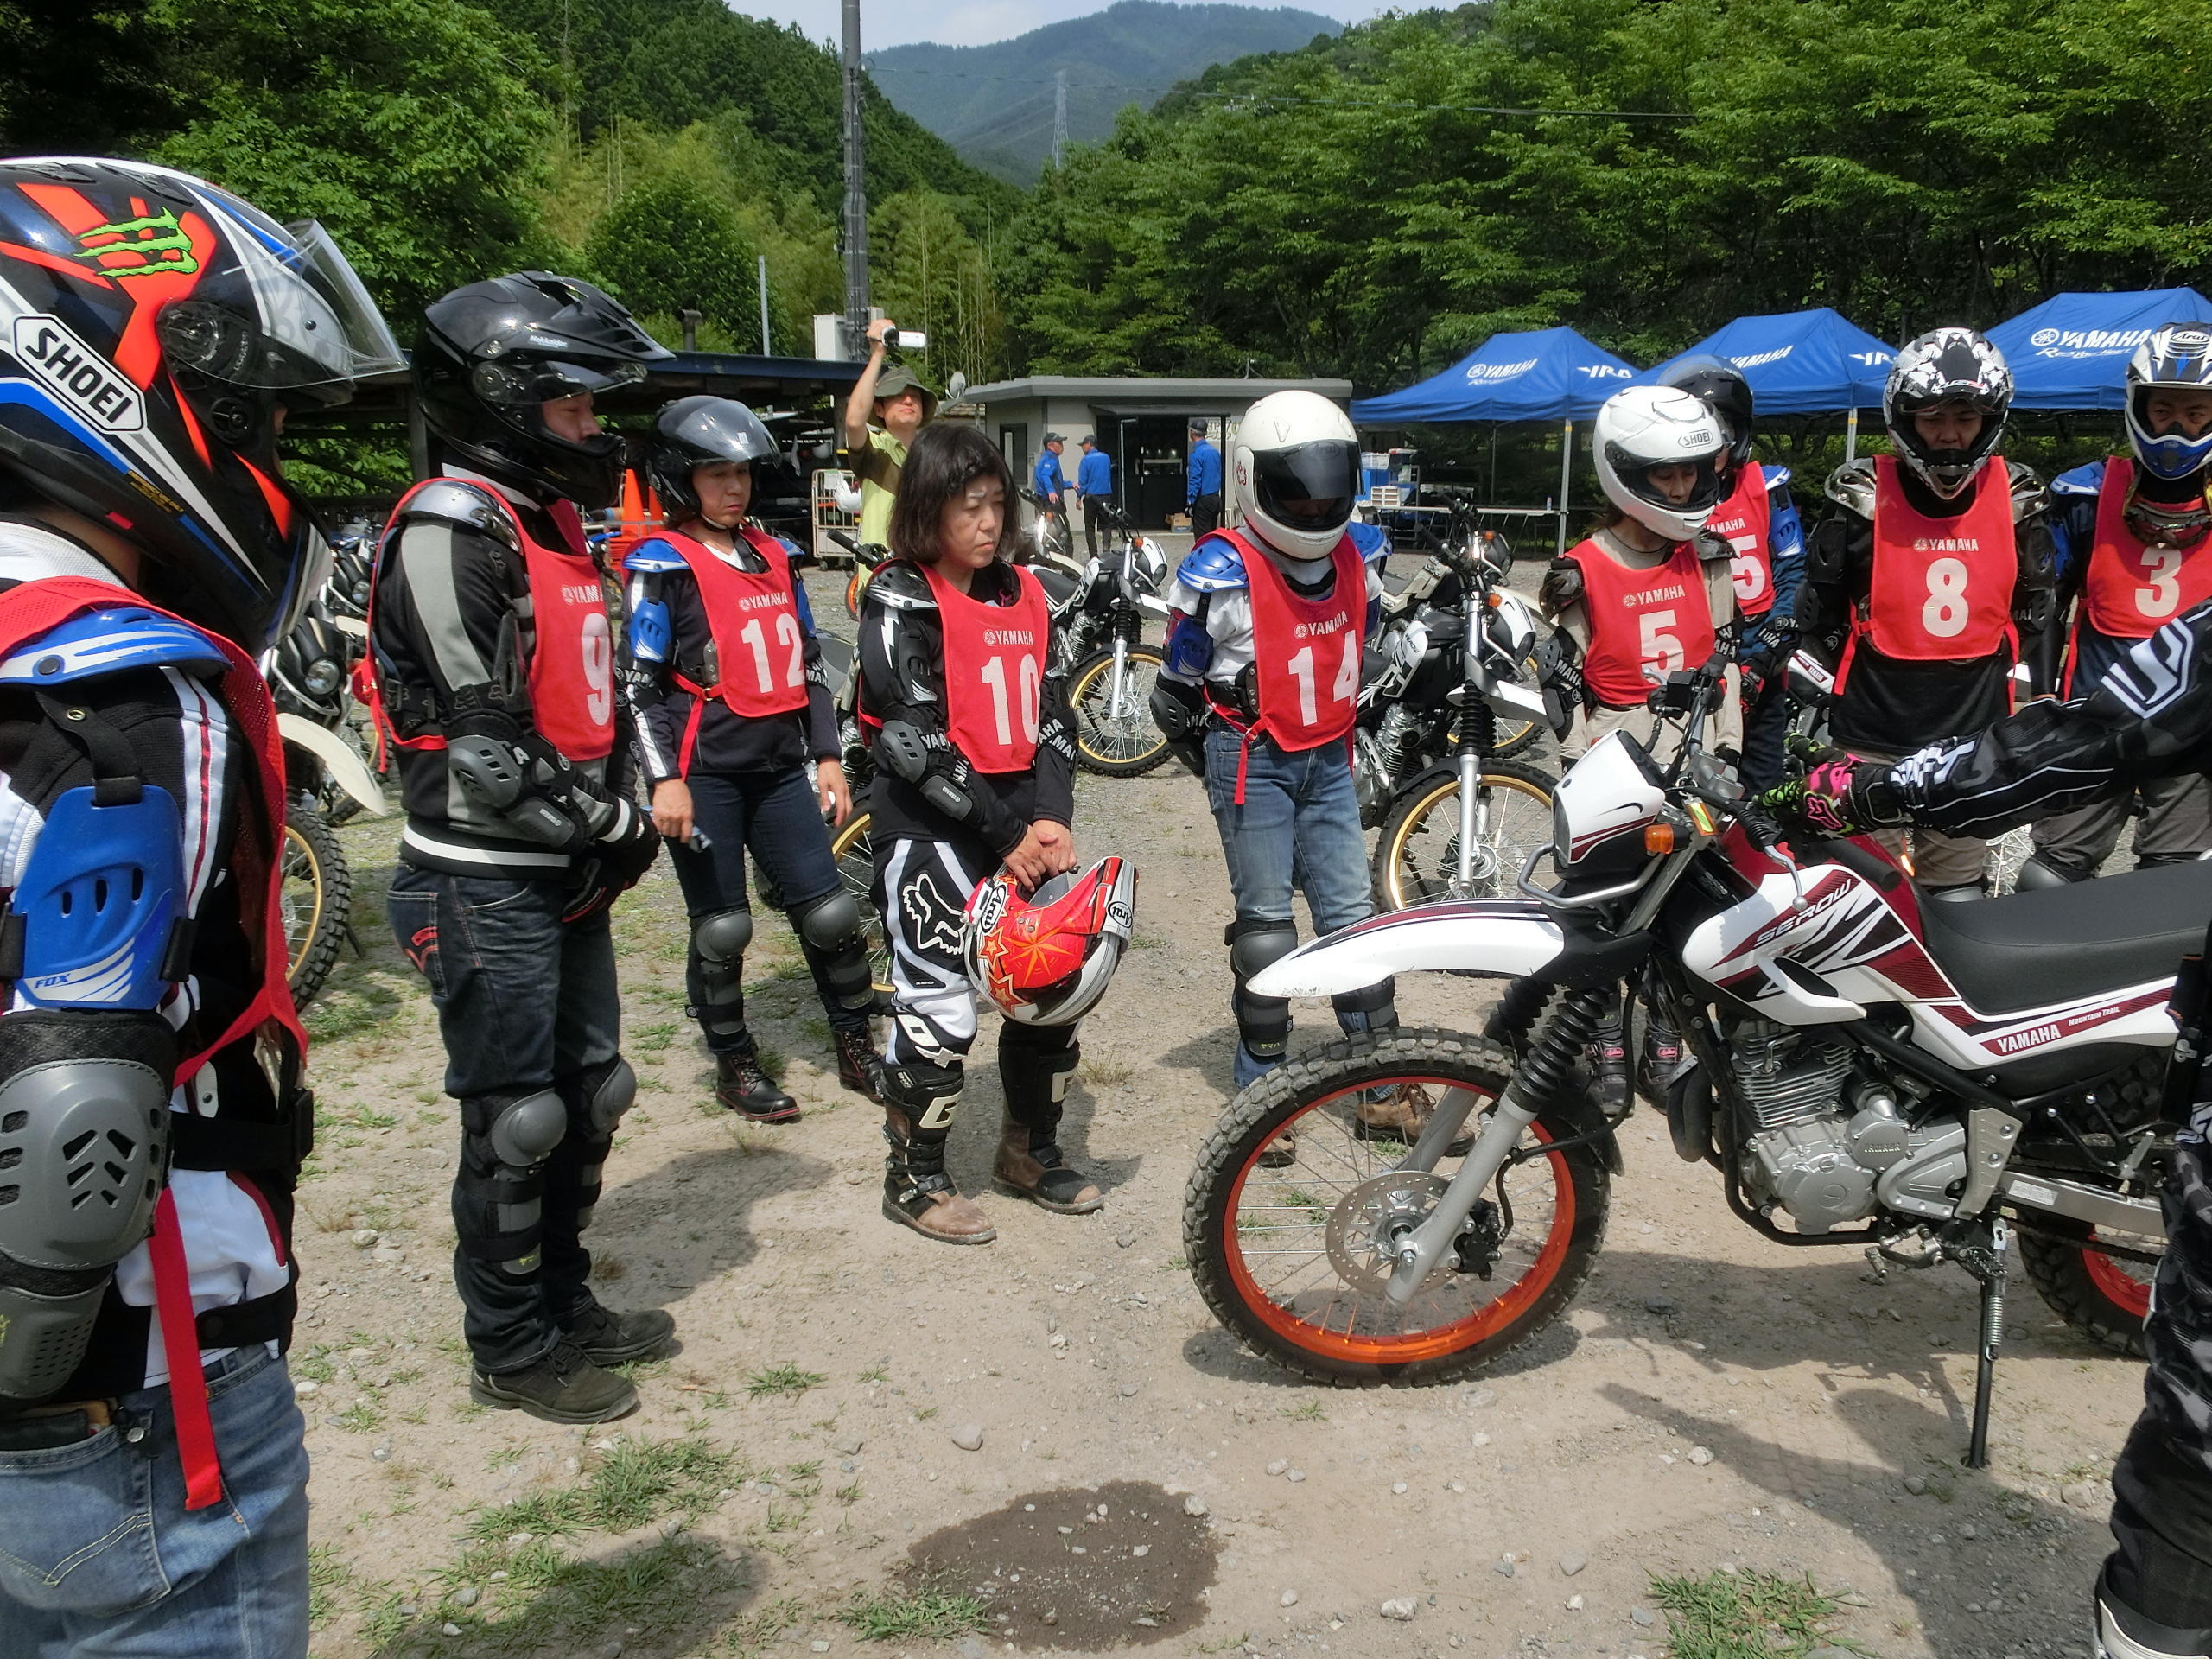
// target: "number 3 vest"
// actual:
[[994, 671], [1941, 589], [2131, 591], [758, 666], [1741, 521], [1645, 624]]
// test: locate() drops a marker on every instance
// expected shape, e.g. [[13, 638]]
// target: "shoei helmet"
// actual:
[[1946, 365], [1720, 386], [699, 432], [2177, 358], [1296, 473], [495, 354], [159, 327], [1642, 428], [1044, 958]]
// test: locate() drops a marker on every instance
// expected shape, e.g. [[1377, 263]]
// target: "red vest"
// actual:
[[1658, 619], [1940, 590], [759, 648], [1304, 652], [257, 866], [2131, 591], [572, 660], [994, 671], [1741, 521]]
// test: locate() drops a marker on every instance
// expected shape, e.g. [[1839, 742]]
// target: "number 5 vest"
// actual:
[[1941, 589], [1644, 624], [1742, 522]]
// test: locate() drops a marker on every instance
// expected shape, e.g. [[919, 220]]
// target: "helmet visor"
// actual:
[[722, 430], [517, 383], [293, 317], [1310, 486]]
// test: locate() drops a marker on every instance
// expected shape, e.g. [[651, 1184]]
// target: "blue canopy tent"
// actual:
[[2071, 351], [1541, 374], [1801, 363]]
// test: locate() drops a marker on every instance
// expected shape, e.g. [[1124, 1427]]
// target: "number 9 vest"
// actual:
[[1941, 589]]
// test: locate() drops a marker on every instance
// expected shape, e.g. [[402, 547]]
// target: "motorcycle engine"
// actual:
[[1822, 1146]]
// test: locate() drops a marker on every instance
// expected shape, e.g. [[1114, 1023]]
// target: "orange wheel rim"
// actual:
[[1478, 1323], [2118, 1286]]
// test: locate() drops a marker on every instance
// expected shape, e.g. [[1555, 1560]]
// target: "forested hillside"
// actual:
[[994, 102]]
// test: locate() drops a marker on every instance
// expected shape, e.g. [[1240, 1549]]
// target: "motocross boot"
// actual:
[[1035, 1065], [918, 1193], [1607, 1057], [1400, 1115], [1661, 1060], [859, 1068]]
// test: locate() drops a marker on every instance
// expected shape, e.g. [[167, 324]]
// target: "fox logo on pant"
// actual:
[[937, 920]]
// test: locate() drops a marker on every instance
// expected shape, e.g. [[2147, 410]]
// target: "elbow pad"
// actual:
[[500, 778], [929, 762]]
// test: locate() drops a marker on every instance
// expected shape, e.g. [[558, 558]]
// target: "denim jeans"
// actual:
[[1296, 829], [100, 1558], [776, 815], [525, 1002]]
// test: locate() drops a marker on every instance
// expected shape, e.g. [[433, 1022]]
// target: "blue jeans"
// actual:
[[100, 1558], [1298, 828]]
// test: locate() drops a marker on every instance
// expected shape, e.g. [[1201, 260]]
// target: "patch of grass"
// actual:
[[326, 1574], [1744, 1616], [929, 1611], [849, 1494], [503, 1457], [1310, 1412], [355, 1002], [744, 1636], [362, 1417], [1105, 1074], [551, 1604], [634, 1482], [312, 1365], [651, 1039], [781, 1379], [876, 1374], [785, 1520]]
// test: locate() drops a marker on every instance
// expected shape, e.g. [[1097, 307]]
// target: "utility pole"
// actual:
[[1059, 117], [766, 350], [856, 302]]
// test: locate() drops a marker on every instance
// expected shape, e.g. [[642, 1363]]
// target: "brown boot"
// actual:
[[1040, 1175], [919, 1194], [1401, 1114], [1281, 1151]]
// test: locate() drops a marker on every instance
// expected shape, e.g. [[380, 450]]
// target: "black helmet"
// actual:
[[1946, 365], [493, 353], [157, 324], [1721, 387], [698, 432]]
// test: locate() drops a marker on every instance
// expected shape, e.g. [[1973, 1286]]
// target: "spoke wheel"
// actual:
[[1416, 860], [2006, 854], [316, 900], [855, 858], [1296, 1257], [1117, 742], [2106, 1298]]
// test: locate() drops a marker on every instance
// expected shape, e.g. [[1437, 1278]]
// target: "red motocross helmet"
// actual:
[[1044, 958]]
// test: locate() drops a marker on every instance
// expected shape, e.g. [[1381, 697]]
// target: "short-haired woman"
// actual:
[[738, 739], [974, 771]]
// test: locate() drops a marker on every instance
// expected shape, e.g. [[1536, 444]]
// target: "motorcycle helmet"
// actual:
[[1720, 386], [1044, 958], [2177, 357], [495, 354], [1640, 428], [1946, 365], [1296, 473], [698, 432], [157, 327]]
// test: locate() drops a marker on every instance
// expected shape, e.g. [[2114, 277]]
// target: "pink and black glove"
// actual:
[[1837, 797]]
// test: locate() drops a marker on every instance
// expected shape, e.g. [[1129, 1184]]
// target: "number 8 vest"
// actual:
[[1941, 589], [994, 671]]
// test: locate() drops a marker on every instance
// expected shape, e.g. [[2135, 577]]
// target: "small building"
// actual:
[[1143, 423]]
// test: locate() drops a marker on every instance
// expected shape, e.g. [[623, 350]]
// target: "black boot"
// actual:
[[859, 1068], [1609, 1068], [742, 1087], [562, 1387], [610, 1339]]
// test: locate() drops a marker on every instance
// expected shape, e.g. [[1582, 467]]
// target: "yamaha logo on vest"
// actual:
[[577, 593], [1946, 544], [1646, 595], [759, 602], [1313, 629], [1009, 637]]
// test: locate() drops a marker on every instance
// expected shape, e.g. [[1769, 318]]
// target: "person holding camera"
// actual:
[[887, 406]]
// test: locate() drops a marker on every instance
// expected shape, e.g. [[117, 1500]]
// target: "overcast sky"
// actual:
[[975, 23]]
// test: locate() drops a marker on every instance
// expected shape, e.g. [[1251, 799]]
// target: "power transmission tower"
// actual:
[[1059, 117], [857, 304]]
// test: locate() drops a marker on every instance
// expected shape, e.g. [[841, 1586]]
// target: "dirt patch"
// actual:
[[1087, 1567]]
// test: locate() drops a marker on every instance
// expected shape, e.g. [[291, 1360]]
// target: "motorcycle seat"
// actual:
[[2033, 950]]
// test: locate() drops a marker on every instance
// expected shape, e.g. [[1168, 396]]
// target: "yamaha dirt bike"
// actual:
[[1925, 1082], [1443, 699], [1098, 643]]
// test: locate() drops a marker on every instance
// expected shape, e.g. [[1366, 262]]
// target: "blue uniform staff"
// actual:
[[1202, 483]]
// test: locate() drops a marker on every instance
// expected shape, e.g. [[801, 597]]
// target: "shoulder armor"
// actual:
[[106, 641], [1710, 548], [1775, 476], [2082, 481], [2029, 496], [452, 501], [651, 557], [900, 585], [1562, 586], [1372, 541], [1211, 567], [1851, 486]]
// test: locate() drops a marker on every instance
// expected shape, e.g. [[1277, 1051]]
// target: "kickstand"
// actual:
[[1986, 1264]]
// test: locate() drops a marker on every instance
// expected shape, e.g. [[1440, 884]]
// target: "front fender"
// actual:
[[339, 759], [1506, 937]]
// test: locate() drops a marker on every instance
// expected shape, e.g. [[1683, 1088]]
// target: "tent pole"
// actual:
[[1851, 437], [1566, 474]]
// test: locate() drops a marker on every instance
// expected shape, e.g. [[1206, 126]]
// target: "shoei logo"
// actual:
[[77, 375], [1498, 370]]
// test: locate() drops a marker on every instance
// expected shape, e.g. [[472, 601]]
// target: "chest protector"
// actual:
[[1644, 624], [1941, 589], [994, 671], [572, 651], [758, 664], [1741, 521], [2131, 591]]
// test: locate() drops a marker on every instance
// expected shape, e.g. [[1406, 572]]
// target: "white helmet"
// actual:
[[1641, 427], [1296, 473]]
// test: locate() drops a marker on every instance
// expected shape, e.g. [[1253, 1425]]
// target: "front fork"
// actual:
[[1478, 735], [1117, 684]]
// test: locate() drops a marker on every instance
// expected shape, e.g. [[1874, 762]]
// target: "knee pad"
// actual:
[[928, 1095], [1262, 1022], [1372, 1008], [834, 936], [2044, 871], [498, 1200], [718, 943]]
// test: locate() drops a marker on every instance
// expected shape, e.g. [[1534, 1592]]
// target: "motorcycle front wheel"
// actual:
[[1117, 742], [855, 858], [1292, 1214], [317, 901], [1417, 856]]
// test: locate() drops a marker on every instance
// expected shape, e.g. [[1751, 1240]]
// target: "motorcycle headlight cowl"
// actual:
[[323, 677]]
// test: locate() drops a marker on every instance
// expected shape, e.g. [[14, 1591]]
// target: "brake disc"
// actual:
[[1369, 1221]]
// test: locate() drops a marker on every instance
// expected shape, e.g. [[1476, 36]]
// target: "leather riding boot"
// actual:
[[918, 1193], [1030, 1165], [1400, 1114], [859, 1068], [742, 1087]]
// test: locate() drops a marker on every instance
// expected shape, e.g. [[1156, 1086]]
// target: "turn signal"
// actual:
[[1658, 838]]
